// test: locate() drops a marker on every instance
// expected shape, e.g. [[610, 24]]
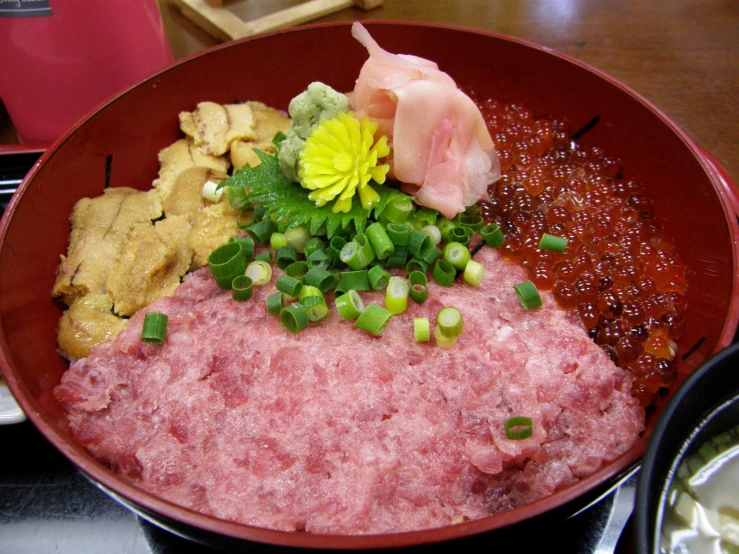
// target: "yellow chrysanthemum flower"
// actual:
[[339, 158]]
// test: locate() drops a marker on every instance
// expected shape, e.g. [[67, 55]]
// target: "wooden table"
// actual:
[[682, 55]]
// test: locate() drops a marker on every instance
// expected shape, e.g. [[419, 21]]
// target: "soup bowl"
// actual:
[[117, 145]]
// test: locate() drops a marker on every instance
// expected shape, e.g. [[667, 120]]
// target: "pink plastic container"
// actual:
[[61, 58]]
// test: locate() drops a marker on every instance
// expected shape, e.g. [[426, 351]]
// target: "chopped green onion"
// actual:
[[474, 222], [396, 295], [259, 212], [373, 319], [418, 242], [286, 255], [380, 241], [445, 225], [349, 305], [277, 240], [246, 215], [154, 330], [430, 254], [443, 273], [354, 280], [419, 291], [397, 258], [275, 303], [460, 234], [398, 233], [528, 295], [321, 278], [355, 255], [474, 209], [378, 278], [433, 233], [247, 246], [442, 341], [262, 231], [519, 427], [449, 322], [294, 317], [297, 269], [397, 211], [319, 258], [457, 254], [259, 272], [492, 235], [313, 301], [241, 288], [334, 250], [552, 243], [289, 285], [414, 264], [421, 329], [313, 244], [225, 263], [297, 237], [237, 198], [474, 273], [265, 256]]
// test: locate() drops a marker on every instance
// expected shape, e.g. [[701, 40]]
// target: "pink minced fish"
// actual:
[[441, 145]]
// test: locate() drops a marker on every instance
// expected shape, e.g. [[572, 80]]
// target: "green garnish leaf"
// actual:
[[288, 204]]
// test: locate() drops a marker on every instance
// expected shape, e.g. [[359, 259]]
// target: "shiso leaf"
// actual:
[[288, 204]]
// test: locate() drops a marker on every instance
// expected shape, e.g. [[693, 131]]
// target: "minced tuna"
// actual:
[[333, 430]]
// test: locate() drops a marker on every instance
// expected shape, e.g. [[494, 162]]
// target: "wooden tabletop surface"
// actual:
[[682, 55]]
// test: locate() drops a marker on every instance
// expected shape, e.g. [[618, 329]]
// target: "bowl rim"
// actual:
[[111, 482]]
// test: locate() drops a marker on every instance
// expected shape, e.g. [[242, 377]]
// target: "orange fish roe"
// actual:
[[620, 271]]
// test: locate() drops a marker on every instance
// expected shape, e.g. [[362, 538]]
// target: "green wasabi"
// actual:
[[306, 110]]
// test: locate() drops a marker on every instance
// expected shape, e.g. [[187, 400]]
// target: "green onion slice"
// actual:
[[519, 427], [312, 245], [397, 211], [418, 242], [349, 305], [241, 288], [265, 256], [442, 341], [414, 264], [433, 233], [246, 215], [457, 254], [289, 285], [421, 329], [474, 222], [319, 258], [397, 258], [277, 240], [418, 291], [247, 246], [449, 322], [275, 303], [354, 280], [321, 278], [154, 330], [355, 256], [528, 295], [378, 278], [396, 295], [297, 269], [460, 234], [313, 301], [285, 256], [553, 243], [373, 319], [474, 273], [380, 241], [444, 273], [492, 235], [294, 317], [430, 254], [262, 231], [445, 225], [297, 237], [399, 233], [225, 263]]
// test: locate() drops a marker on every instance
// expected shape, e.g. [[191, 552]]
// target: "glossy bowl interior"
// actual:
[[117, 145], [706, 405]]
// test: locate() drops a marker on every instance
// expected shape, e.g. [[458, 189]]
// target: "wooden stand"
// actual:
[[224, 25]]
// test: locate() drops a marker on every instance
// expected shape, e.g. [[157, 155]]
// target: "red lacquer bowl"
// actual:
[[118, 143]]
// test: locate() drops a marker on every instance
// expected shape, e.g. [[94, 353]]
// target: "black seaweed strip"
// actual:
[[695, 347], [586, 128], [108, 164]]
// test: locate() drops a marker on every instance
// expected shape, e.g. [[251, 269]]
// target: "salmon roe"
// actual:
[[620, 271]]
